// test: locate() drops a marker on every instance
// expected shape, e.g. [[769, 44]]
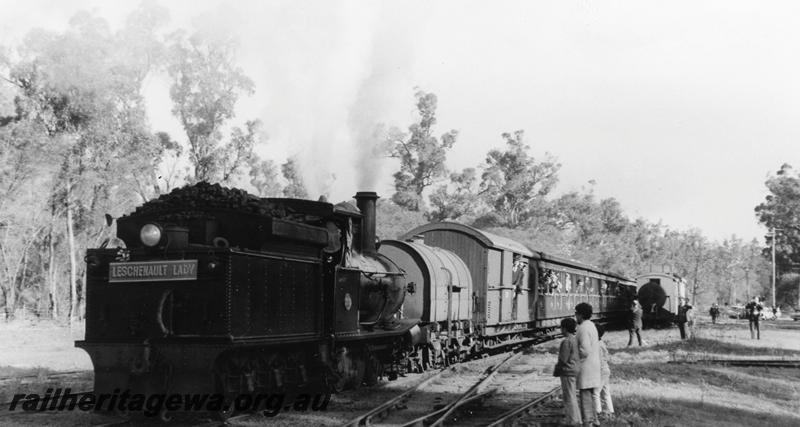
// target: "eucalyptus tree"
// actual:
[[780, 211], [460, 203], [79, 93], [514, 182], [422, 155], [780, 214], [206, 85]]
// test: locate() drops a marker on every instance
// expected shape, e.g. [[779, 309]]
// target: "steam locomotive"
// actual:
[[219, 291], [660, 295]]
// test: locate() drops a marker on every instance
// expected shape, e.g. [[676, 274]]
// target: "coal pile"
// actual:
[[196, 200]]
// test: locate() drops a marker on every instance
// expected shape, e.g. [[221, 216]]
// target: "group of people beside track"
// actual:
[[752, 311], [685, 321], [583, 358], [583, 368]]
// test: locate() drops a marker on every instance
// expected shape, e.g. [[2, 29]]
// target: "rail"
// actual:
[[438, 420], [508, 418], [384, 408]]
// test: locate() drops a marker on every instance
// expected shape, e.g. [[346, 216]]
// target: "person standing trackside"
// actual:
[[603, 405], [589, 376], [714, 312], [567, 369], [635, 322], [689, 320], [682, 317], [754, 315]]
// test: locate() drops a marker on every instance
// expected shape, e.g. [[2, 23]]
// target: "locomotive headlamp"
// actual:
[[151, 234]]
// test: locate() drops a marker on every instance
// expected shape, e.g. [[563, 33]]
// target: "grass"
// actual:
[[649, 391]]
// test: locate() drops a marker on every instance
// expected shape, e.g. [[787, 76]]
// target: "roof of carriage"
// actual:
[[661, 275], [487, 239], [499, 242]]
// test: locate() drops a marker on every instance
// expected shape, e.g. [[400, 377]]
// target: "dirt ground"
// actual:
[[648, 388]]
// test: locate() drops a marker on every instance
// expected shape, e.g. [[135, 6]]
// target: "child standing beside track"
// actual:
[[567, 368], [602, 396]]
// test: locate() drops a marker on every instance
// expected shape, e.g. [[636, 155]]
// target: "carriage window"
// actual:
[[549, 281], [567, 282], [604, 287], [579, 285]]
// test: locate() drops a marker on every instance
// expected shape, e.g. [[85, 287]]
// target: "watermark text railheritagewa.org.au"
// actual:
[[152, 404]]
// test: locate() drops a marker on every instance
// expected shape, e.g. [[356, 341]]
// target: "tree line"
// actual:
[[511, 193], [75, 144]]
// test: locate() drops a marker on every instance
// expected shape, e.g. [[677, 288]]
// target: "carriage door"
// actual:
[[450, 289], [507, 295]]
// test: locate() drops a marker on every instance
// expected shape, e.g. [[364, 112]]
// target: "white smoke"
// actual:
[[378, 103], [369, 89]]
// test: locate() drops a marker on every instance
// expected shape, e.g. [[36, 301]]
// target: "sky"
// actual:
[[679, 110]]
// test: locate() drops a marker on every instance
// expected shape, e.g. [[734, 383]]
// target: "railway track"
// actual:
[[532, 412], [497, 406], [397, 402], [775, 363], [478, 392], [416, 401], [468, 390], [493, 398]]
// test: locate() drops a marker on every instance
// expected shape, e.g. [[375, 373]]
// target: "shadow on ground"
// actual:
[[638, 411], [709, 346], [777, 384]]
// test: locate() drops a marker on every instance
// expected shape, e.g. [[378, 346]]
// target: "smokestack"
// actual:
[[365, 200]]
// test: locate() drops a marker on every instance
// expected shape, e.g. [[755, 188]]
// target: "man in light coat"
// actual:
[[589, 376]]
